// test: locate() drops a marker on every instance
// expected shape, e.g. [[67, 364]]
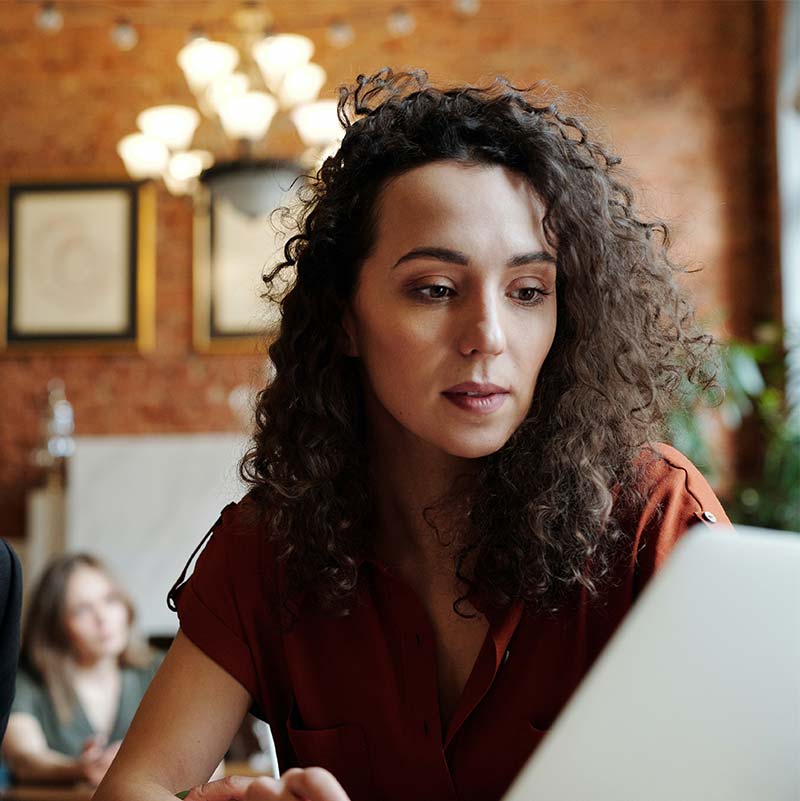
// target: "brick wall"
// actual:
[[683, 91]]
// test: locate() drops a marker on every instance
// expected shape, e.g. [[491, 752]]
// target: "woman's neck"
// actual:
[[405, 482], [96, 670]]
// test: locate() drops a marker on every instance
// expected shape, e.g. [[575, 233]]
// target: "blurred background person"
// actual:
[[83, 670]]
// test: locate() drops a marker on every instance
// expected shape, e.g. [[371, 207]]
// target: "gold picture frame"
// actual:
[[78, 267]]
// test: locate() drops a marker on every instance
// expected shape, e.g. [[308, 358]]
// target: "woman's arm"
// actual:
[[30, 760], [181, 731]]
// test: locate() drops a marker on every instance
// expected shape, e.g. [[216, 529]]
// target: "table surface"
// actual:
[[84, 792]]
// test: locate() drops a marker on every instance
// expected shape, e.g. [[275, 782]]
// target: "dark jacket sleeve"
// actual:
[[10, 610]]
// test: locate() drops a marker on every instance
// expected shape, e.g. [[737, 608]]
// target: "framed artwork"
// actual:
[[237, 239], [79, 271]]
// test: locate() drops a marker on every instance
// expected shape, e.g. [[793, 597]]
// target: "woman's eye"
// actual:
[[527, 295], [530, 294], [434, 291]]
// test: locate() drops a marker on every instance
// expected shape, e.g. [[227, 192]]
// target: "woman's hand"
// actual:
[[96, 758], [310, 784]]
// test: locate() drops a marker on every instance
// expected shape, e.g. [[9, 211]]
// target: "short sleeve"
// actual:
[[29, 697], [210, 605], [678, 497]]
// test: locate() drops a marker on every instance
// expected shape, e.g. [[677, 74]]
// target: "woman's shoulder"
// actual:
[[9, 561], [236, 567], [674, 497], [27, 680], [10, 574], [666, 473], [242, 531], [29, 693]]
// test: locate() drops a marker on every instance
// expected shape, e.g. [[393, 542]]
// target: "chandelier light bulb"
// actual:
[[301, 85], [326, 153], [248, 116], [173, 125], [317, 123], [279, 54], [226, 86], [144, 156], [401, 22], [203, 60], [124, 35], [49, 18], [189, 164], [183, 170]]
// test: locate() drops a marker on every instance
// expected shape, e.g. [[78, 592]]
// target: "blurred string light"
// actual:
[[467, 8], [49, 18], [124, 35], [340, 33], [400, 22]]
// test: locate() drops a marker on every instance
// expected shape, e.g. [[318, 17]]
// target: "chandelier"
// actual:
[[242, 93]]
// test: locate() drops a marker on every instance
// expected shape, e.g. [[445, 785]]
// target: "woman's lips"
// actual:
[[481, 404]]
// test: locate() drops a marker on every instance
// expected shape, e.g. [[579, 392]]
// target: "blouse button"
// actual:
[[505, 656], [709, 517]]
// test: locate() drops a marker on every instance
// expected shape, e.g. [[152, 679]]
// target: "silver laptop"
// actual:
[[697, 695]]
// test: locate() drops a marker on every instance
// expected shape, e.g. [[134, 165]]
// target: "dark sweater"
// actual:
[[10, 610]]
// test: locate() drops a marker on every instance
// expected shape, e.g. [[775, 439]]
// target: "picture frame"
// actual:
[[237, 239], [78, 267]]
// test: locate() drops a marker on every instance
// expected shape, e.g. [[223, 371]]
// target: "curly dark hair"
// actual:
[[546, 518]]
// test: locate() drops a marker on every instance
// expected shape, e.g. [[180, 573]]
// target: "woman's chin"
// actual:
[[465, 448]]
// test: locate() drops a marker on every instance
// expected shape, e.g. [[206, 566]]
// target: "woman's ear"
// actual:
[[347, 341]]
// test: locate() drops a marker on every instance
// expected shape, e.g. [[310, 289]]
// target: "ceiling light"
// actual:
[[144, 156], [49, 18], [279, 54], [225, 87], [301, 85], [317, 123], [124, 35], [467, 8], [173, 125], [401, 22], [248, 116], [340, 33], [203, 60]]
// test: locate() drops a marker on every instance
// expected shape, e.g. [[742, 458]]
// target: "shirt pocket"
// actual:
[[341, 750]]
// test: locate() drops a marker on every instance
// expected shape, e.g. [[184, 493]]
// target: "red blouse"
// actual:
[[358, 695]]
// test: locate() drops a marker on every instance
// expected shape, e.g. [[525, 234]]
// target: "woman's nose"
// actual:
[[482, 327]]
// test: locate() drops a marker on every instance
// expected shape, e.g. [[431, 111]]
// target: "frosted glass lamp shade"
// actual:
[[248, 116], [317, 123], [226, 86], [144, 156], [173, 125], [279, 54], [183, 170], [301, 85], [190, 164], [203, 60]]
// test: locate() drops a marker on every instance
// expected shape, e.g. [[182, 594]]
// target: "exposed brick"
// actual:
[[683, 90]]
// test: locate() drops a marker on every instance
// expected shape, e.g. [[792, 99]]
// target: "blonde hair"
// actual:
[[47, 650]]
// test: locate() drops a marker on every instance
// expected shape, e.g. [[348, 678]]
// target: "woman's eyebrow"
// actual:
[[456, 257]]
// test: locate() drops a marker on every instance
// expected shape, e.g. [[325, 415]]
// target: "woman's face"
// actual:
[[459, 288], [96, 617]]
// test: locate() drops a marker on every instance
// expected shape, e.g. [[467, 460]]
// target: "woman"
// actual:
[[457, 487], [83, 672]]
